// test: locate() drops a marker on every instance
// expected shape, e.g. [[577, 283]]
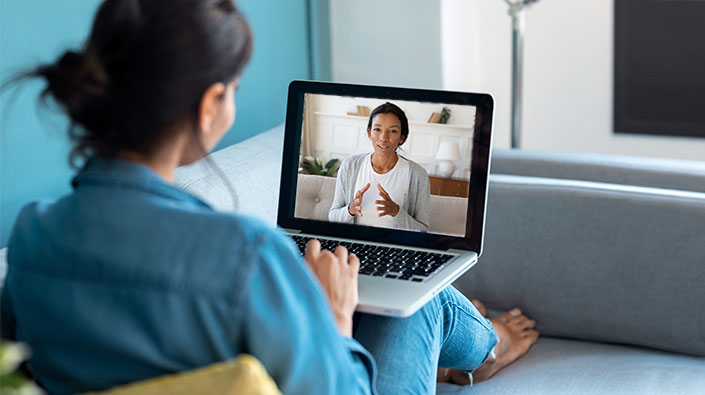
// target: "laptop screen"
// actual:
[[385, 163], [381, 163]]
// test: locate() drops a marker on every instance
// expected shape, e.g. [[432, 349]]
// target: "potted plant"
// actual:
[[315, 166]]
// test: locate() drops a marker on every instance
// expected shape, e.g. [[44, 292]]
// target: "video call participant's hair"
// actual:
[[143, 70], [389, 108]]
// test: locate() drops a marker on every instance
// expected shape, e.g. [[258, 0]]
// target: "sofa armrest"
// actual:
[[253, 168], [677, 174]]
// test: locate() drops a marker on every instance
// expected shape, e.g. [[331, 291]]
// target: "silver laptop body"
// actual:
[[380, 294]]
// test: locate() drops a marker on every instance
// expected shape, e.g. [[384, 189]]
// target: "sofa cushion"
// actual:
[[596, 261], [314, 196], [448, 215], [559, 366]]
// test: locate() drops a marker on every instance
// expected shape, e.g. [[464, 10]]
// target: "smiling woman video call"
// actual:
[[382, 188]]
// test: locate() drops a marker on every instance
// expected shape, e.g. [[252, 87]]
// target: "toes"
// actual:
[[532, 335], [509, 315], [479, 306], [516, 322], [522, 323], [516, 319]]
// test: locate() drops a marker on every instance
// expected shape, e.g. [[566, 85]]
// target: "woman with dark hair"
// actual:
[[402, 185], [128, 277]]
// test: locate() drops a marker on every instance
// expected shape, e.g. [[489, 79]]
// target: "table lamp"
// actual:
[[447, 152]]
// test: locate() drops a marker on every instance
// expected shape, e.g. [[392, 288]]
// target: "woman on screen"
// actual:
[[382, 188]]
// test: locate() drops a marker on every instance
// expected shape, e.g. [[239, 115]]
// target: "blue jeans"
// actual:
[[448, 332]]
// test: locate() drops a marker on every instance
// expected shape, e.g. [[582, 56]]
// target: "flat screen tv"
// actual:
[[659, 75]]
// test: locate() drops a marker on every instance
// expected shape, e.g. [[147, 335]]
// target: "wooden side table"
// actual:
[[443, 186]]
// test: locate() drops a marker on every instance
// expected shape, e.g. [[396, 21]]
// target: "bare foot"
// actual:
[[516, 336]]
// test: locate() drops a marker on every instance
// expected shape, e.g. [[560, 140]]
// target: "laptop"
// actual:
[[436, 234]]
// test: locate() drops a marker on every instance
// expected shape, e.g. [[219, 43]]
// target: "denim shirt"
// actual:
[[129, 277]]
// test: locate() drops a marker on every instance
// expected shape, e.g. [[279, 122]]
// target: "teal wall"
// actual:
[[33, 143], [281, 54]]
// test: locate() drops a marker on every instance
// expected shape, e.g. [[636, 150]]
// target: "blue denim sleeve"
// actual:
[[289, 327]]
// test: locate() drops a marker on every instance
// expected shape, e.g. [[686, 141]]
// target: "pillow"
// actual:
[[242, 375]]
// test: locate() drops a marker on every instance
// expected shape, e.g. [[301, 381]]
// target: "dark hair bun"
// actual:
[[78, 83]]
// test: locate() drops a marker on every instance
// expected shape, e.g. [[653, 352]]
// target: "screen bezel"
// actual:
[[479, 169]]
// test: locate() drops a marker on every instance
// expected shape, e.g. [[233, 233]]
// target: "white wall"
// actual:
[[416, 112], [568, 75], [389, 42]]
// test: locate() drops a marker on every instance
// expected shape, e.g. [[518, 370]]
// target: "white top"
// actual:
[[414, 213], [395, 182]]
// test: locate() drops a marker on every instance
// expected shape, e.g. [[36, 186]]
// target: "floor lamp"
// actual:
[[516, 11]]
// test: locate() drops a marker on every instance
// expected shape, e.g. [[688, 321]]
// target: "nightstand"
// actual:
[[443, 186]]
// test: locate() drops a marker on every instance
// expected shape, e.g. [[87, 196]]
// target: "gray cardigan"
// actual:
[[415, 215]]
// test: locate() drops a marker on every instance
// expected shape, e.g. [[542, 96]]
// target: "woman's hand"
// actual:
[[355, 208], [386, 206], [337, 273]]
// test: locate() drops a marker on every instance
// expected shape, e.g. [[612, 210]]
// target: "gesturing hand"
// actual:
[[355, 208], [338, 276], [386, 206]]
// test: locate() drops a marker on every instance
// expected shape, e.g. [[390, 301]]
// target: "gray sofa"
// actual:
[[606, 253]]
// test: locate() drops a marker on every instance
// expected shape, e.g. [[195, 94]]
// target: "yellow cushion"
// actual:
[[243, 375]]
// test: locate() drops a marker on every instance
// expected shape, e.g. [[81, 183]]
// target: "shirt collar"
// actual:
[[126, 174]]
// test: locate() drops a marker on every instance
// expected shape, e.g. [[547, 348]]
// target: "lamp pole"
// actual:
[[516, 11]]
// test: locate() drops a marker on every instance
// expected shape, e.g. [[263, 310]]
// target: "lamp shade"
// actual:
[[448, 151]]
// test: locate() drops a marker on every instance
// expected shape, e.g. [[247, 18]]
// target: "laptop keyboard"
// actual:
[[388, 262]]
